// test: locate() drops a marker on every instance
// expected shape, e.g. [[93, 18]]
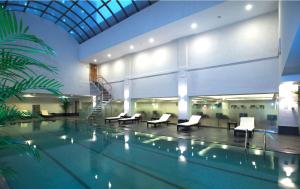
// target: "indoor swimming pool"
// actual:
[[78, 154]]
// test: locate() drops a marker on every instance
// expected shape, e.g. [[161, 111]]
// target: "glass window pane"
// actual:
[[73, 17], [15, 8], [130, 9], [63, 24], [141, 4], [59, 7], [97, 4], [33, 11], [120, 15], [111, 21], [82, 13], [125, 3], [97, 17], [71, 23], [53, 12], [80, 32], [86, 6], [105, 12], [114, 6], [37, 6], [49, 17], [76, 36], [92, 24], [66, 3]]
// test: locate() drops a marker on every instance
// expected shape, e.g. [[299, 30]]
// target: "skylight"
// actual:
[[82, 19]]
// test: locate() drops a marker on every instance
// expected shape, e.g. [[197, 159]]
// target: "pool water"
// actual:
[[77, 154]]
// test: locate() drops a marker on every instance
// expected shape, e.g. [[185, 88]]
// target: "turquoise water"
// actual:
[[82, 155]]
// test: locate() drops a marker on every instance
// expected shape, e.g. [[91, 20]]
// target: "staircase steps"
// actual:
[[104, 97]]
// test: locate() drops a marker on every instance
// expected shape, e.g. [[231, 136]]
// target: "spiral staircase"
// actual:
[[102, 90]]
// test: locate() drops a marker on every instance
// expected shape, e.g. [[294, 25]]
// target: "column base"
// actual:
[[287, 130]]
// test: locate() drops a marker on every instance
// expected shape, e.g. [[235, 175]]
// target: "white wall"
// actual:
[[114, 71], [235, 59], [289, 19], [118, 90], [135, 24], [249, 40], [156, 86], [157, 60], [73, 74], [252, 77]]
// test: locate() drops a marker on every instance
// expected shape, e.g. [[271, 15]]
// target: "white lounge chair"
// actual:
[[135, 117], [163, 119], [194, 121], [246, 125], [109, 119], [45, 114]]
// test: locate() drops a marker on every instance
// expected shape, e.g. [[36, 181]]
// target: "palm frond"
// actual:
[[12, 30], [15, 65], [38, 82], [8, 113]]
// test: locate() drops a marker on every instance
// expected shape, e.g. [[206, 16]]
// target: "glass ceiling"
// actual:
[[82, 19]]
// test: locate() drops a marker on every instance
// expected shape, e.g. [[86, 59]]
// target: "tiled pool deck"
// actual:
[[274, 142]]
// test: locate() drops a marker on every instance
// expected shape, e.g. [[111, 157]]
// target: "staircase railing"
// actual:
[[104, 83], [104, 96]]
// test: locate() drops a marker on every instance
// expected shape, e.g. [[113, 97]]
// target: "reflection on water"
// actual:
[[254, 163]]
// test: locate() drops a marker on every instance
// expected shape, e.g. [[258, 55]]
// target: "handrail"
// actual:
[[265, 140], [104, 97], [105, 84], [246, 139]]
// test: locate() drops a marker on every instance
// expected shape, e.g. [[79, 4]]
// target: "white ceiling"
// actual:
[[220, 15]]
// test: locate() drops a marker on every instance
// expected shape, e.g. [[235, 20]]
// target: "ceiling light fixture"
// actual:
[[151, 40], [248, 7], [131, 47], [194, 25], [95, 60], [108, 55]]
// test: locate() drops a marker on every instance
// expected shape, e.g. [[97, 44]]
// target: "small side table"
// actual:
[[234, 123]]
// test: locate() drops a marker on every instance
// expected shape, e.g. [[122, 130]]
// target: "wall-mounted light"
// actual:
[[151, 40], [28, 95], [194, 25], [248, 7]]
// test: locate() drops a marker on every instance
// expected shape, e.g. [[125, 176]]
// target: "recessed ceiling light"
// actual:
[[131, 47], [108, 55], [95, 60], [248, 7], [151, 40], [194, 25]]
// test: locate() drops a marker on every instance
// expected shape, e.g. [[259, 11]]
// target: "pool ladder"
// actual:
[[265, 140], [246, 145]]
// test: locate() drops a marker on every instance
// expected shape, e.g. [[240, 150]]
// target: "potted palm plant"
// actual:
[[17, 48]]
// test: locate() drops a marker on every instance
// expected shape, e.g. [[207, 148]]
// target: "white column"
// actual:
[[183, 98], [127, 97], [288, 118]]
